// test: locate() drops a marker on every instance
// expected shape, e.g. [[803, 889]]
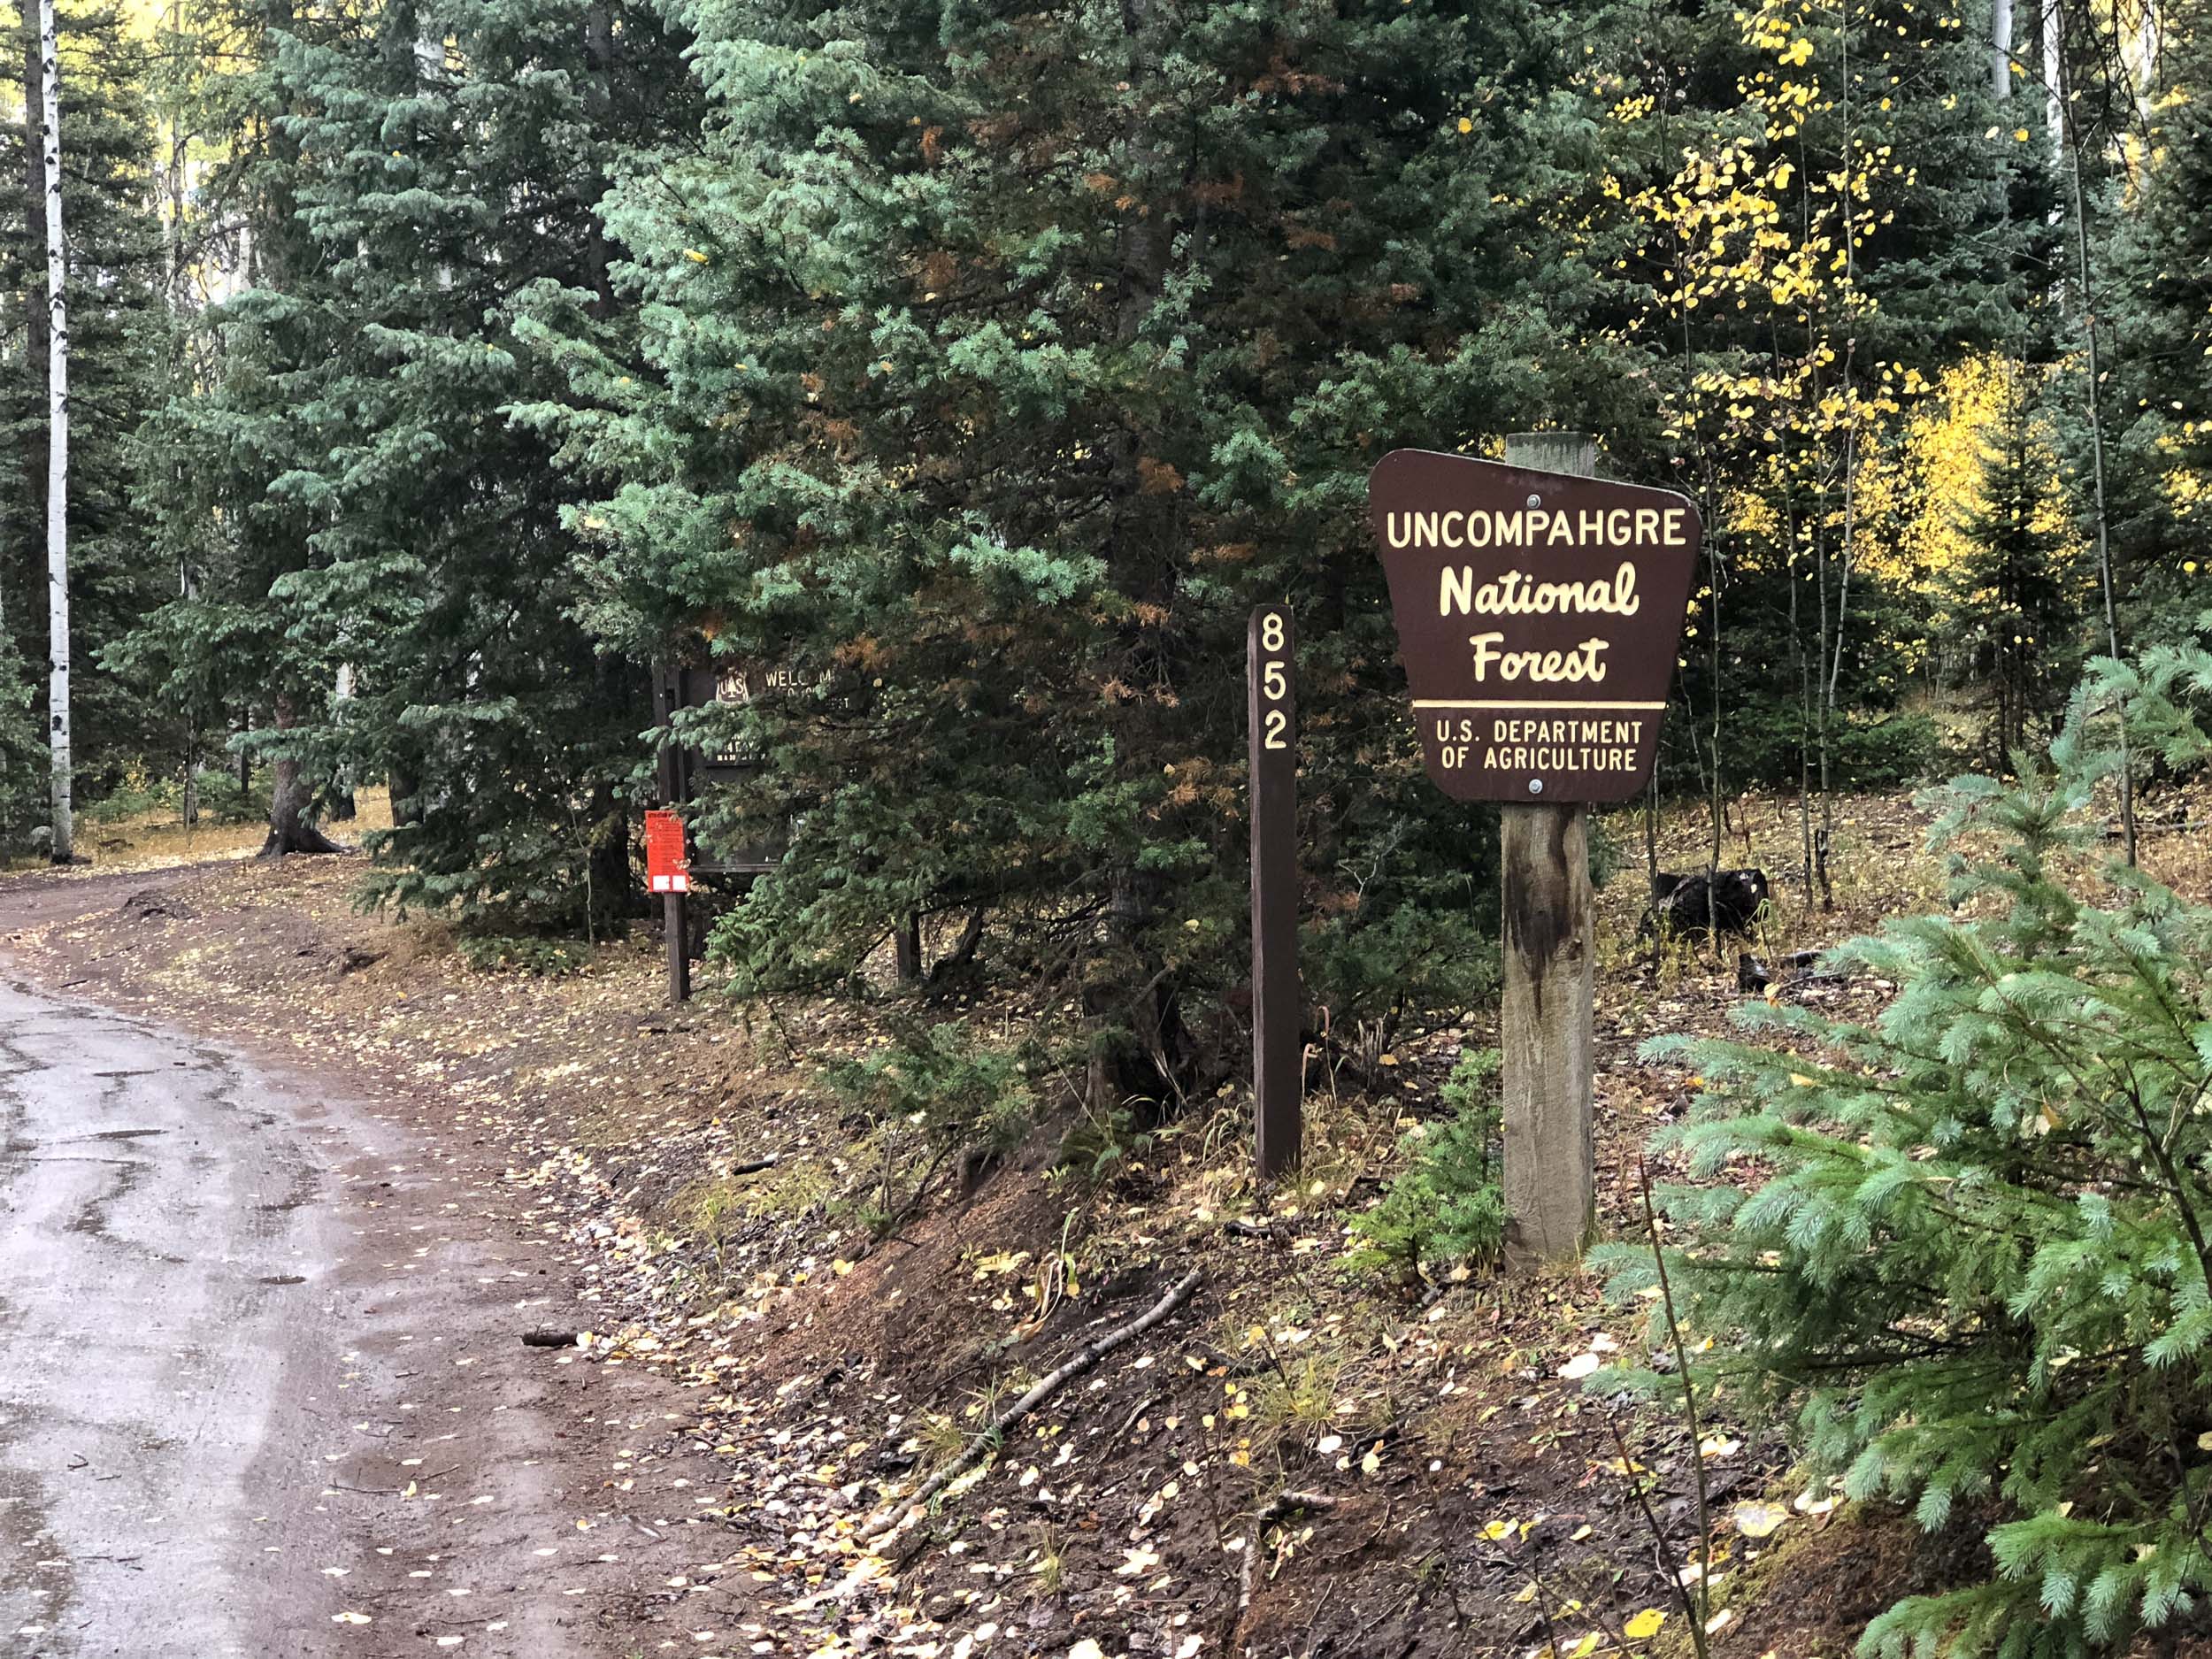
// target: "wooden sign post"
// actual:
[[1277, 1053], [675, 921], [1539, 614], [682, 770]]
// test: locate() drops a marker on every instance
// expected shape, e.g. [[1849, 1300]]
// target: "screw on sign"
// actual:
[[1539, 613], [666, 870]]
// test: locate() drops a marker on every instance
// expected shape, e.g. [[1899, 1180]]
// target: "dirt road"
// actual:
[[261, 1389]]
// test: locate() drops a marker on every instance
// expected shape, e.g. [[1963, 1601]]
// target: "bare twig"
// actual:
[[1659, 1537], [1689, 1411], [993, 1432]]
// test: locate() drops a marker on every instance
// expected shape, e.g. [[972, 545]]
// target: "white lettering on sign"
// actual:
[[1608, 733], [1538, 527], [1517, 594], [1573, 665]]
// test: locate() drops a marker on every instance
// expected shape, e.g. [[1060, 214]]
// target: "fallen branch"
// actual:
[[2187, 827], [1282, 1505], [994, 1432], [1130, 1421], [1290, 1502]]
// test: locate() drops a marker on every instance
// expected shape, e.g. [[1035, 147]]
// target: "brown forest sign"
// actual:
[[1539, 616]]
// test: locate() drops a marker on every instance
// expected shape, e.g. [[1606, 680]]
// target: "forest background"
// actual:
[[434, 369]]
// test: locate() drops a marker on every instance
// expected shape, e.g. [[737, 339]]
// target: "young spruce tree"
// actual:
[[2018, 601], [1979, 1267]]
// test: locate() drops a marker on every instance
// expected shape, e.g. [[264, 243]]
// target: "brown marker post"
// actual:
[[1277, 1055], [675, 924], [1547, 1012]]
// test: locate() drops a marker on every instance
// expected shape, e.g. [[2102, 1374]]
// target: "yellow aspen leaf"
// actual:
[[1759, 1520]]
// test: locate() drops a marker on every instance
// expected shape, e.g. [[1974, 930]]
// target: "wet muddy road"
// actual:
[[261, 1389], [158, 1315]]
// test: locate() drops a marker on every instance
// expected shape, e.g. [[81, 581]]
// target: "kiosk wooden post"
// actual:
[[1546, 1015]]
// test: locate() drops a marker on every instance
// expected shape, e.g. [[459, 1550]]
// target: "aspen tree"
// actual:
[[57, 439]]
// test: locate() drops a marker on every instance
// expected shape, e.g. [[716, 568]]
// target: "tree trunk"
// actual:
[[2072, 137], [1720, 705], [2053, 71], [57, 434], [406, 792], [610, 879], [2000, 49], [599, 110], [290, 829], [342, 803]]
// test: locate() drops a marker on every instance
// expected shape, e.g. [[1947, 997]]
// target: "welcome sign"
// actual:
[[1539, 616]]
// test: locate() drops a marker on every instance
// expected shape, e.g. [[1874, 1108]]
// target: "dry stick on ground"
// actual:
[[1668, 1561], [993, 1432]]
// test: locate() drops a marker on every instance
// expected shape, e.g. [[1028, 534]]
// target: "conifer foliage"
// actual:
[[1979, 1268], [989, 369], [362, 509], [2020, 593]]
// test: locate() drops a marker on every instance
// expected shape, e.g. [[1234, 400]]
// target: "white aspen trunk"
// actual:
[[57, 434], [2146, 60], [2001, 49], [2053, 70]]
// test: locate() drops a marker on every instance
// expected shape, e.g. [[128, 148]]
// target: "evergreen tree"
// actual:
[[990, 363], [22, 750], [228, 461], [1977, 1268], [433, 162], [2016, 610], [2161, 260]]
